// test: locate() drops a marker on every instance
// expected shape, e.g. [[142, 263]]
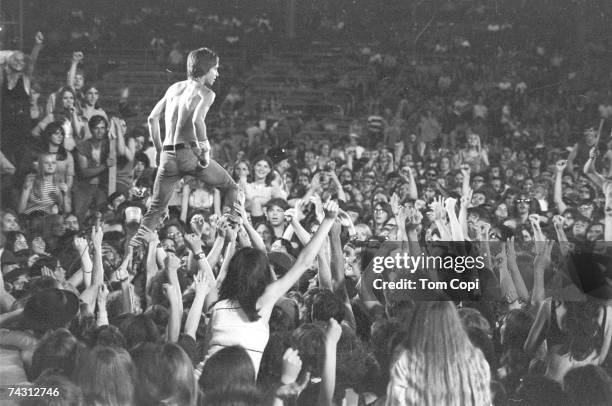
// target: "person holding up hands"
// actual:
[[16, 77], [248, 294]]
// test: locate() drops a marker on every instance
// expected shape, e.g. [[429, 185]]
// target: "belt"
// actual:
[[177, 147]]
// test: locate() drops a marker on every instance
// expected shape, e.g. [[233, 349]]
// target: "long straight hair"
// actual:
[[106, 376], [436, 334]]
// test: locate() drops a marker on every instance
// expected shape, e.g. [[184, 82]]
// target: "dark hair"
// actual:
[[228, 367], [588, 385], [142, 157], [235, 175], [58, 107], [309, 340], [57, 350], [164, 375], [46, 134], [138, 329], [325, 305], [269, 176], [517, 325], [248, 275], [95, 120], [235, 395], [88, 88], [582, 331], [200, 61], [11, 238], [109, 336]]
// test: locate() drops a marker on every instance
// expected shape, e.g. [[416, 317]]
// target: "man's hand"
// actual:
[[594, 153], [560, 165], [29, 182], [202, 151], [331, 209], [194, 243], [39, 38], [292, 365], [96, 236], [77, 57], [466, 170], [172, 262]]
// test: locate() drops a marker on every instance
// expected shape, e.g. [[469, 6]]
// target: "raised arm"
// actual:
[[277, 289], [571, 157], [77, 57], [38, 45], [558, 189], [589, 168]]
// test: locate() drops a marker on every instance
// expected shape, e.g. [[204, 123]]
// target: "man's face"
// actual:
[[595, 233], [586, 209], [276, 216], [175, 234], [309, 158], [79, 81], [72, 223], [478, 199], [211, 75], [99, 131], [579, 228]]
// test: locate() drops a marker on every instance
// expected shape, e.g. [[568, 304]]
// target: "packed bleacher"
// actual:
[[454, 136]]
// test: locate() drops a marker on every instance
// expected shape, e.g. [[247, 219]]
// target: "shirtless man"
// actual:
[[186, 150]]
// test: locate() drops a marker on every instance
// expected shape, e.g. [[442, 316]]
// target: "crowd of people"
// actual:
[[275, 298]]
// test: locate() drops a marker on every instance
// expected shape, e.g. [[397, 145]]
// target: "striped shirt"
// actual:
[[44, 195]]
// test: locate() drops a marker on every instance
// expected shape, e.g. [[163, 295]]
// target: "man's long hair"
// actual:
[[200, 61]]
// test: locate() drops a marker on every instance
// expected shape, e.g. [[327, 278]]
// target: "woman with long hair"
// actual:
[[67, 112], [262, 188], [52, 139], [106, 376], [164, 375], [437, 364], [576, 333], [248, 293], [43, 192], [473, 154]]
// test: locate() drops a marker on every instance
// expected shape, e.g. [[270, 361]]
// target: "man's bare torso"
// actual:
[[181, 101]]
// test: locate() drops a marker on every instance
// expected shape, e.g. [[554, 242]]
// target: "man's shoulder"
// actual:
[[177, 87]]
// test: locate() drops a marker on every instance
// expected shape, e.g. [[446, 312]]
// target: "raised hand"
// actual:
[[594, 153], [292, 365], [77, 56], [560, 165], [331, 210], [172, 262], [80, 244], [102, 297], [334, 331], [558, 221], [467, 199], [39, 38], [466, 170], [395, 204], [414, 218], [97, 235], [194, 243], [29, 182], [449, 204]]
